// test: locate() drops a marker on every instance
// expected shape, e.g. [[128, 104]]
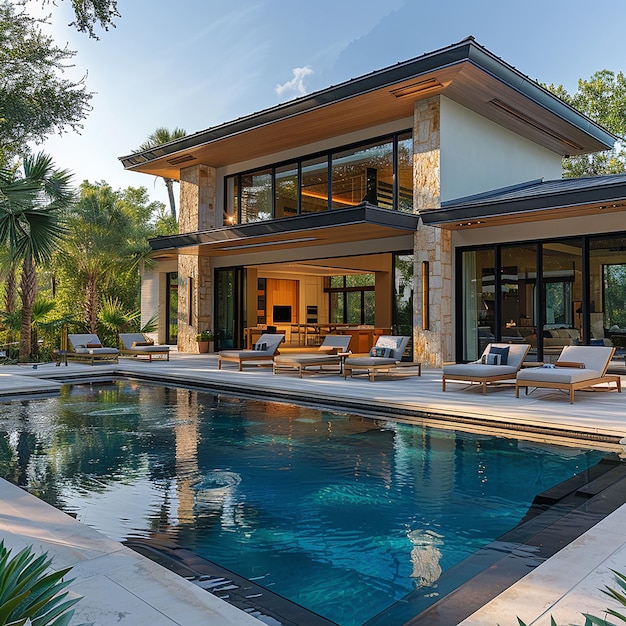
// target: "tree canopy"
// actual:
[[603, 99], [36, 100]]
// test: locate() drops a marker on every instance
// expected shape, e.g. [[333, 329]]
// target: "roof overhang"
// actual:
[[554, 202], [464, 72], [360, 223]]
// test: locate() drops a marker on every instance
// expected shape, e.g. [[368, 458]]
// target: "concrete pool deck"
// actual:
[[120, 586]]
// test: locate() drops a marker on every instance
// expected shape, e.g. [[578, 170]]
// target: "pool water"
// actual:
[[322, 508]]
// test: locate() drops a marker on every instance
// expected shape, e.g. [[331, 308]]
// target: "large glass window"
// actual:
[[363, 175], [379, 172], [351, 299], [286, 194], [405, 173], [314, 190], [256, 196]]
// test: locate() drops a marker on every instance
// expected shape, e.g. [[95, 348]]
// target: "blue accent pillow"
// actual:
[[380, 352], [503, 352]]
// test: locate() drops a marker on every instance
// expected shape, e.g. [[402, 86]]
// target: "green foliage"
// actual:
[[603, 99], [205, 335], [115, 319], [105, 248], [159, 137], [35, 99], [27, 592]]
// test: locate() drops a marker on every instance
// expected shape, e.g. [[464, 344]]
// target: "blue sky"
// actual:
[[196, 63]]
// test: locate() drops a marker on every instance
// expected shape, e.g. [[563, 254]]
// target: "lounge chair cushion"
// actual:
[[88, 343], [565, 375], [136, 342], [479, 370], [370, 361]]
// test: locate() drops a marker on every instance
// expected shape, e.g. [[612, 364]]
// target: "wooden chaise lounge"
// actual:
[[88, 348], [330, 353], [578, 367], [262, 353], [499, 362], [384, 356], [136, 345]]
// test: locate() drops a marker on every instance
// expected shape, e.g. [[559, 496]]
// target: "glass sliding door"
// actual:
[[518, 306], [402, 313], [171, 323], [607, 291], [229, 312], [478, 285], [562, 296]]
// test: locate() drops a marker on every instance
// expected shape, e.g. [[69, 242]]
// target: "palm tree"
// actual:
[[105, 242], [159, 137], [31, 206]]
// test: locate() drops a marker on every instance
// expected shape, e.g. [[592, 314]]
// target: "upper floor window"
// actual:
[[379, 172]]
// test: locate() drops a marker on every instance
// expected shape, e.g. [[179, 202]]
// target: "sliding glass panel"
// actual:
[[364, 174], [314, 193], [403, 294], [562, 296], [478, 301], [286, 201], [607, 279], [405, 173], [256, 196]]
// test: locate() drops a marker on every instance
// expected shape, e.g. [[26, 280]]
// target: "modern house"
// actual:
[[425, 199]]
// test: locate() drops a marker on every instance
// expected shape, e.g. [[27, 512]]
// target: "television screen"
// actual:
[[281, 314]]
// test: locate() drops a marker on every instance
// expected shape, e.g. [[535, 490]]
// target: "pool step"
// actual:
[[266, 606]]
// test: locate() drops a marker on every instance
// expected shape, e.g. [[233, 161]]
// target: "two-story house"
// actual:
[[424, 199]]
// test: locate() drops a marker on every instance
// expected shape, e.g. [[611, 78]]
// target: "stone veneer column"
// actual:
[[433, 346], [195, 280]]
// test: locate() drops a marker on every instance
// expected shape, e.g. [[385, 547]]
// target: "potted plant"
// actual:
[[203, 339]]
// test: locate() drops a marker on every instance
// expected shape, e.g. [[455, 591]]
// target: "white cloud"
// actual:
[[296, 84]]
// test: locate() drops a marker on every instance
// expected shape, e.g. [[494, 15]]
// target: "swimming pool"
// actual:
[[319, 507]]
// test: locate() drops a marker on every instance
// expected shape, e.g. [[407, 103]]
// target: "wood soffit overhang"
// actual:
[[361, 223], [466, 73]]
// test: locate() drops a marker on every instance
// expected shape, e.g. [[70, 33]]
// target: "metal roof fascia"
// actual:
[[571, 198], [359, 214]]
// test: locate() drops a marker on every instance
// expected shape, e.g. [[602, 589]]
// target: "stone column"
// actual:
[[195, 280], [433, 345]]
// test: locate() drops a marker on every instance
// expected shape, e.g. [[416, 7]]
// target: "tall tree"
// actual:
[[104, 248], [603, 99], [35, 99], [159, 137], [32, 202]]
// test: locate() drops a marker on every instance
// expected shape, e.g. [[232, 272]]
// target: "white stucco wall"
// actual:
[[478, 155]]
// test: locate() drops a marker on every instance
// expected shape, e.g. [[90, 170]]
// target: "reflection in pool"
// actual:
[[317, 506]]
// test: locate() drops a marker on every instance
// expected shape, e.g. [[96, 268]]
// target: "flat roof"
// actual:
[[465, 72], [552, 198], [362, 222]]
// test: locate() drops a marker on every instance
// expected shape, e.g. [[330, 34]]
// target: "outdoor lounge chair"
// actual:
[[498, 362], [263, 352], [578, 367], [385, 355], [89, 348], [332, 351], [136, 345]]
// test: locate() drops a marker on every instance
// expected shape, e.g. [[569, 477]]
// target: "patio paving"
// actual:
[[564, 586]]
